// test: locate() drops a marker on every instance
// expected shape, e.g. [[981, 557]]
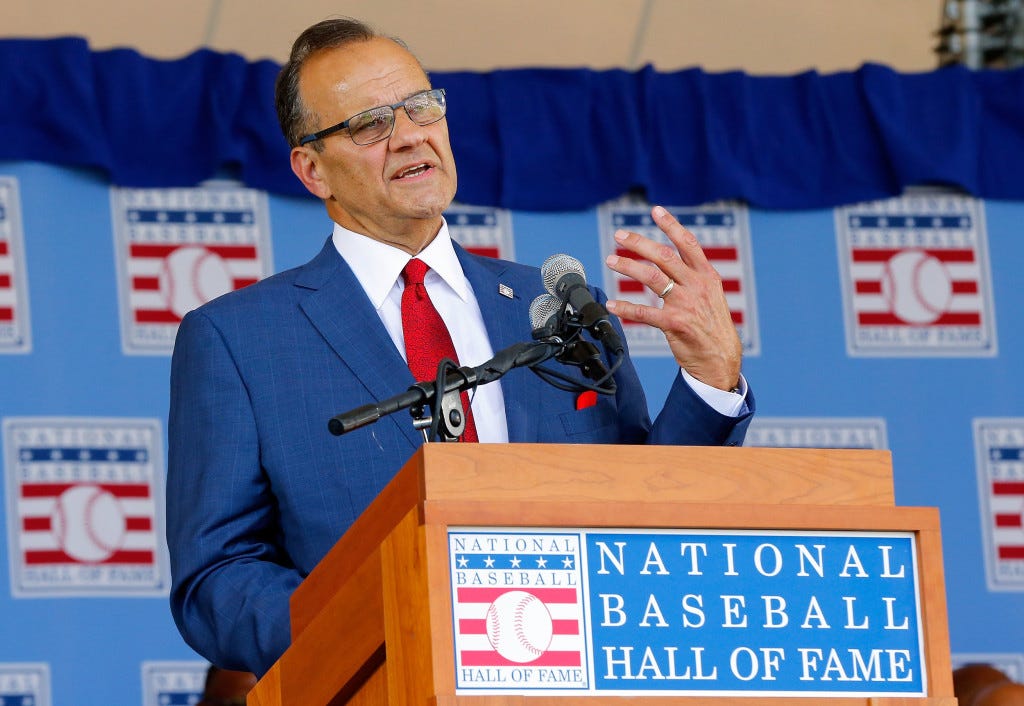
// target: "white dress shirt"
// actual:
[[378, 267]]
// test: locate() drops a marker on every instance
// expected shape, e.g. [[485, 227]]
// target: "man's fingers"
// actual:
[[665, 257], [639, 313], [687, 246], [654, 278]]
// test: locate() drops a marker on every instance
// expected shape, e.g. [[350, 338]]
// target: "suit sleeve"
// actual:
[[684, 420], [231, 581]]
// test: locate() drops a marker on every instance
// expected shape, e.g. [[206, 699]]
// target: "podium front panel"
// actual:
[[627, 612]]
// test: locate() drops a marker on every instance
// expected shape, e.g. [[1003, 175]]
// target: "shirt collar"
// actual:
[[378, 266]]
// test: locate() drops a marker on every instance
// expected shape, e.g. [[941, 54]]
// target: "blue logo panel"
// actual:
[[754, 612]]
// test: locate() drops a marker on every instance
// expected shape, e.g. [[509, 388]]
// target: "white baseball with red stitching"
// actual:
[[519, 626]]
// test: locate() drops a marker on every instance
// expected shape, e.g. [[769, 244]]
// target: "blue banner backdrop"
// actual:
[[807, 262], [541, 139]]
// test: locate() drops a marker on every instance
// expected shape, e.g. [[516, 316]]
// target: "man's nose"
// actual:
[[406, 133]]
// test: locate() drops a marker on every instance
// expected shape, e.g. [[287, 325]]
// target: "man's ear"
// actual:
[[304, 164]]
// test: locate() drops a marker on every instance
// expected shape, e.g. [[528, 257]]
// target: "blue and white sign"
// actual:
[[25, 684], [624, 612], [173, 683], [817, 433]]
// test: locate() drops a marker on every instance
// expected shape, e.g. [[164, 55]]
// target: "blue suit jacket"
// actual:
[[258, 490]]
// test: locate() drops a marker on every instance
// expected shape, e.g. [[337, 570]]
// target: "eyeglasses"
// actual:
[[377, 124]]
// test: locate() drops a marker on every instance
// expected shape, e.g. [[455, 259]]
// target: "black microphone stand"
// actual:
[[436, 406]]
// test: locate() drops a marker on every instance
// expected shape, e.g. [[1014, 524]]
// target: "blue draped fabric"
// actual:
[[540, 139]]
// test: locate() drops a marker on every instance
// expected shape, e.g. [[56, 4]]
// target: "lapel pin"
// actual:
[[505, 291]]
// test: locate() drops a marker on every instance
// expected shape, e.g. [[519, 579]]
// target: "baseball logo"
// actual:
[[88, 522], [519, 626], [916, 286], [191, 276]]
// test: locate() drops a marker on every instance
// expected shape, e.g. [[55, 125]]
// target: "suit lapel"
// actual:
[[508, 322], [342, 313]]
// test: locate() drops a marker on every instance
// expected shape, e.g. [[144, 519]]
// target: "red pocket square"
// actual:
[[586, 399]]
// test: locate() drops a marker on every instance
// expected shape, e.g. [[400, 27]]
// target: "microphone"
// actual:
[[546, 321], [564, 278], [546, 316]]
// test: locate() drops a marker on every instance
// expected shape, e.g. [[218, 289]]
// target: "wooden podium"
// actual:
[[373, 623]]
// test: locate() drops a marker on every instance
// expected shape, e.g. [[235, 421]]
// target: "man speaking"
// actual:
[[258, 490]]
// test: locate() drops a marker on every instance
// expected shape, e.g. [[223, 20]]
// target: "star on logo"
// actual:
[[541, 562], [567, 562], [463, 562], [515, 562], [489, 562]]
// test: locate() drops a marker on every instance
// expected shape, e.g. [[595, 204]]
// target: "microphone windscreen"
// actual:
[[544, 311], [557, 266]]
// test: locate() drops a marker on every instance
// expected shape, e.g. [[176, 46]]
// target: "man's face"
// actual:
[[393, 190]]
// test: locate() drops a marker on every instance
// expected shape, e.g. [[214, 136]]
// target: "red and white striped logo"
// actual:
[[521, 626], [168, 281], [916, 277], [724, 234], [1008, 519], [15, 332], [83, 501], [916, 286], [86, 523], [178, 249], [1000, 467]]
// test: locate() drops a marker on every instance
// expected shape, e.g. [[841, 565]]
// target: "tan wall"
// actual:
[[759, 36]]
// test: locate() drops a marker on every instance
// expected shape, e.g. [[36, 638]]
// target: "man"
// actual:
[[258, 491]]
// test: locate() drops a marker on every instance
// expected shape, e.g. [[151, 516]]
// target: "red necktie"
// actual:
[[427, 340]]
